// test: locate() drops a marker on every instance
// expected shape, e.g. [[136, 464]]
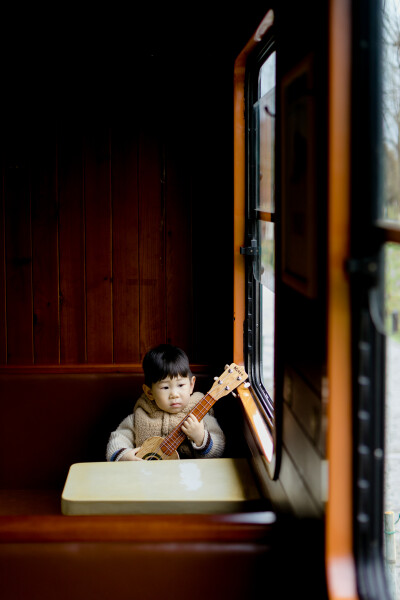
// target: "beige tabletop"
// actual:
[[216, 485]]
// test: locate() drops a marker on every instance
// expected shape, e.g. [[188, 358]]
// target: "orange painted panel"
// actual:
[[341, 576]]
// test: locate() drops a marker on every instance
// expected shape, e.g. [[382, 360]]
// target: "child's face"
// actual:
[[171, 395]]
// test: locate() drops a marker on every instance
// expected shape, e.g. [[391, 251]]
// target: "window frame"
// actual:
[[369, 233], [267, 405]]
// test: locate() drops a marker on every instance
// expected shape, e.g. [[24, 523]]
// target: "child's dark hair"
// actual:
[[165, 361]]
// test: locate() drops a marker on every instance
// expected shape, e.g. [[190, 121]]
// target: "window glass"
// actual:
[[267, 74], [392, 290], [388, 319], [391, 317], [260, 248], [267, 255], [263, 201], [265, 119], [390, 208], [267, 346], [267, 278]]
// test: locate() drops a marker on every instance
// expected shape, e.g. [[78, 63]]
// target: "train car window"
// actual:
[[376, 285], [260, 278], [265, 145], [389, 315]]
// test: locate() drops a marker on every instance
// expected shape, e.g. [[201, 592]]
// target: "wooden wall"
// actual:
[[96, 246], [116, 218], [116, 196]]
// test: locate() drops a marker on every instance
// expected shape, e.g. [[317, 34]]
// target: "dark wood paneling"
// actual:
[[72, 246], [151, 237], [98, 246], [121, 243], [111, 244], [124, 189], [3, 333], [45, 245], [18, 254], [178, 200]]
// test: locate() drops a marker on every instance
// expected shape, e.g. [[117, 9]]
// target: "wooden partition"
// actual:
[[97, 258], [115, 235], [116, 206]]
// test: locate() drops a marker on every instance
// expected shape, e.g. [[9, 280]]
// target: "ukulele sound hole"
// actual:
[[151, 456]]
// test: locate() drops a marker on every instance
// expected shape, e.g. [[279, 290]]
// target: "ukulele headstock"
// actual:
[[231, 378]]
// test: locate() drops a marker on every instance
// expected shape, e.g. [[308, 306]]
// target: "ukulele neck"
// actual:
[[176, 437]]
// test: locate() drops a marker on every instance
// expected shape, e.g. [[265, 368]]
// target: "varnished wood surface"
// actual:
[[101, 253], [98, 244], [125, 256], [138, 528], [17, 284], [45, 263], [35, 516], [71, 233]]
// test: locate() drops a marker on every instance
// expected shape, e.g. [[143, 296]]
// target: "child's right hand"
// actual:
[[131, 455]]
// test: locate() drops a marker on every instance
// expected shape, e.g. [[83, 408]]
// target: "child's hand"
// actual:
[[194, 430], [131, 455]]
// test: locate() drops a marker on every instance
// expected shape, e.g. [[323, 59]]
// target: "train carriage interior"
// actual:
[[208, 177]]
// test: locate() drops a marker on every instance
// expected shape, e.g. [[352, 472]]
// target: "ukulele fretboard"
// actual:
[[176, 437]]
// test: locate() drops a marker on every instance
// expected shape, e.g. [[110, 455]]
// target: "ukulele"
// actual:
[[158, 448]]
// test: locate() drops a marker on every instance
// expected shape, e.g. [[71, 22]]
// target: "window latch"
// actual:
[[365, 267], [252, 250]]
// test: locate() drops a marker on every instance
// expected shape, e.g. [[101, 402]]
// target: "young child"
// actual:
[[167, 397]]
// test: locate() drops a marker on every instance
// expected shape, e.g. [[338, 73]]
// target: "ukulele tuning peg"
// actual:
[[234, 394], [230, 370], [215, 378], [247, 384], [226, 366], [227, 387], [239, 378]]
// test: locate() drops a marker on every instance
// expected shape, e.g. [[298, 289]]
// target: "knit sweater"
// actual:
[[147, 420]]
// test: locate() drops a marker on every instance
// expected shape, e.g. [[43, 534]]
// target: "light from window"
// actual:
[[390, 208], [264, 272]]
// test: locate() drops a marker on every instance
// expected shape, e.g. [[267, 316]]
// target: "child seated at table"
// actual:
[[167, 398]]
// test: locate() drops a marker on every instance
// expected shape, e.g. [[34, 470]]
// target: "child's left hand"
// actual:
[[194, 430]]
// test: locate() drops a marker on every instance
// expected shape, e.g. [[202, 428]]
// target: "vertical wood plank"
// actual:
[[3, 329], [178, 295], [203, 238], [124, 186], [151, 238], [71, 245], [45, 246], [18, 253], [99, 318]]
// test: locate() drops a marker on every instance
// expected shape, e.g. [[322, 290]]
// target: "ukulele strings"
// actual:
[[179, 436], [179, 433]]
